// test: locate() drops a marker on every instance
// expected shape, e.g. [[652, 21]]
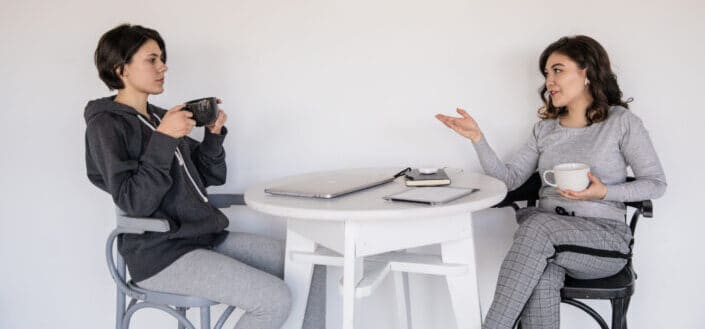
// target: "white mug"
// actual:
[[569, 176]]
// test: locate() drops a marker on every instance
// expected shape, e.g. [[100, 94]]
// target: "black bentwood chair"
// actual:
[[618, 288]]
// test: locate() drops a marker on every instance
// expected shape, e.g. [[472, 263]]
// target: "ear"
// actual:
[[121, 70], [584, 72]]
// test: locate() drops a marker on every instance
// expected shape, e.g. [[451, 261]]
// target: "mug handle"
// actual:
[[546, 179]]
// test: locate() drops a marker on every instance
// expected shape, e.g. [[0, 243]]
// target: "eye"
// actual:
[[557, 70]]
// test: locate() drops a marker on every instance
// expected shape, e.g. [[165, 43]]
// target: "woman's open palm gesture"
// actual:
[[465, 125]]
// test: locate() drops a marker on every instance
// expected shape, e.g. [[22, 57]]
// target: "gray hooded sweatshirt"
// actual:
[[150, 174]]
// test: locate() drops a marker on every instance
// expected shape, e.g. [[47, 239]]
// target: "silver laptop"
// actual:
[[330, 185]]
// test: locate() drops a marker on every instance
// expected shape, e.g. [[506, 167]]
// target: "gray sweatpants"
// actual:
[[245, 271], [532, 273]]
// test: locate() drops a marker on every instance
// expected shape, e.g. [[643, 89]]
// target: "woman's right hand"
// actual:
[[176, 123], [465, 126]]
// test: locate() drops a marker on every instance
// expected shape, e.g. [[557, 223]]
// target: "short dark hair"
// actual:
[[116, 48], [587, 53]]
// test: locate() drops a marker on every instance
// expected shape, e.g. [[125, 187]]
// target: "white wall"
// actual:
[[312, 85]]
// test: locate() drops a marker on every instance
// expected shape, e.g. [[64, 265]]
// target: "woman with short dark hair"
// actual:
[[142, 156], [584, 120]]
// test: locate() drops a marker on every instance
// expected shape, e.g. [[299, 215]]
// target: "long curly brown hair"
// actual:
[[587, 53]]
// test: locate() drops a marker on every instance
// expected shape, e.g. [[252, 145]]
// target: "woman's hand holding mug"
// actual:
[[216, 127], [575, 181], [176, 123], [595, 191]]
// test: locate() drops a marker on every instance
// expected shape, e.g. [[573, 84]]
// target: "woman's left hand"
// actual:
[[217, 126], [595, 191]]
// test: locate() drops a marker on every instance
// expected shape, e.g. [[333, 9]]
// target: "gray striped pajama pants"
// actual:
[[533, 273], [244, 270]]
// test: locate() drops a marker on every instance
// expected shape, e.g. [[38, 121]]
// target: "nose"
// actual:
[[549, 80]]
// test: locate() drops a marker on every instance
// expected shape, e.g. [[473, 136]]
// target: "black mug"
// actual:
[[205, 110]]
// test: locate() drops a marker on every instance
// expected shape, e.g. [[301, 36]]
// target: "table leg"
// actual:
[[464, 294], [401, 286], [297, 277], [352, 273]]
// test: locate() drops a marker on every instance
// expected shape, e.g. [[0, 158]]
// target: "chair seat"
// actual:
[[175, 300], [617, 286]]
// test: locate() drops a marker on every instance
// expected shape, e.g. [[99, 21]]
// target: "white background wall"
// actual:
[[326, 84]]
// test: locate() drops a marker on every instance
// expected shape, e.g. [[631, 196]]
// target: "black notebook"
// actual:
[[415, 178]]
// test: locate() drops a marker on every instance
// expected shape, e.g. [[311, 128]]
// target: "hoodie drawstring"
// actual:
[[179, 157]]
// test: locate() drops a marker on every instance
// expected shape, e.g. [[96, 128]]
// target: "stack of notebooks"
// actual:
[[415, 178]]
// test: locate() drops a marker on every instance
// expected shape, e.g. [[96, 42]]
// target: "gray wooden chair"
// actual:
[[173, 304]]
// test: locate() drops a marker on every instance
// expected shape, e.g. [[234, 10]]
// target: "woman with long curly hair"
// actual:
[[584, 120]]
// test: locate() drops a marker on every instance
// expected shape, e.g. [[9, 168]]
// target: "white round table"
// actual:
[[363, 233]]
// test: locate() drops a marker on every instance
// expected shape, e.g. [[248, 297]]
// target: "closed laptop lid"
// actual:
[[330, 185]]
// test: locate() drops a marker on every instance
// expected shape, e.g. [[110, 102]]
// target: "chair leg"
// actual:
[[119, 309], [626, 308], [619, 312], [182, 311], [224, 317], [205, 317], [179, 314], [120, 302]]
